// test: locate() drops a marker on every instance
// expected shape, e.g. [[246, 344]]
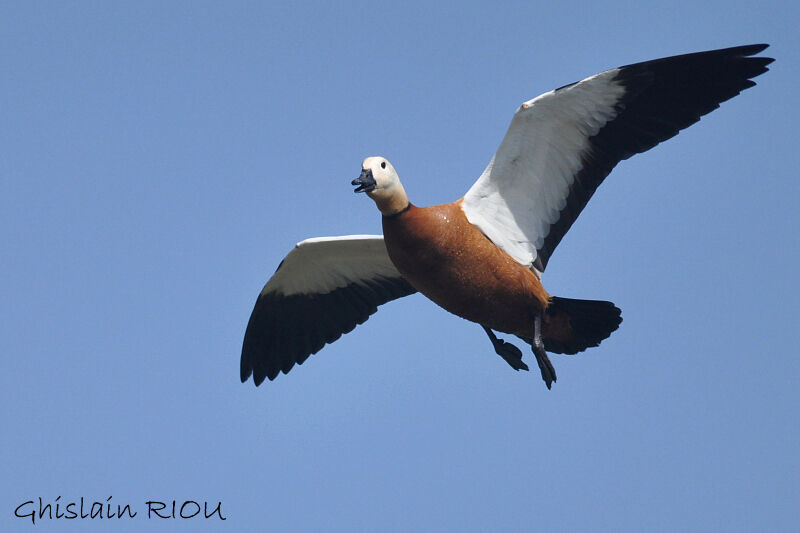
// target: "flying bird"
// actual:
[[482, 256]]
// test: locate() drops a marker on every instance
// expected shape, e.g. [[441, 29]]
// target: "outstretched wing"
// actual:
[[321, 290], [561, 145]]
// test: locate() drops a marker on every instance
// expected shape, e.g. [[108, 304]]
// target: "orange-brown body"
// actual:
[[453, 263]]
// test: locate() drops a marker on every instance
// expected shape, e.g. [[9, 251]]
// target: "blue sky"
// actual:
[[160, 160]]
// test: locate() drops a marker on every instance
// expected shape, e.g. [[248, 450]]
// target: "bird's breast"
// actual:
[[450, 261]]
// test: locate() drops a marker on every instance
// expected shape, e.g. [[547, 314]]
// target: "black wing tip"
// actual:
[[245, 362], [751, 49], [285, 331], [638, 75], [744, 51], [758, 64]]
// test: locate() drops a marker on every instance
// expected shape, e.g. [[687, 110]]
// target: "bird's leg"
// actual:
[[548, 372], [510, 353]]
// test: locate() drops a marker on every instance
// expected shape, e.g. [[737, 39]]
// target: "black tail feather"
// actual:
[[591, 322]]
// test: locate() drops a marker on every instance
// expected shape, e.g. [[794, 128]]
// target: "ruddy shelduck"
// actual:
[[482, 256]]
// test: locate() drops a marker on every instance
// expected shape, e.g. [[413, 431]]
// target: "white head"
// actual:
[[380, 181]]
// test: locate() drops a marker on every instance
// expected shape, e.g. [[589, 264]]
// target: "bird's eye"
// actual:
[[383, 164]]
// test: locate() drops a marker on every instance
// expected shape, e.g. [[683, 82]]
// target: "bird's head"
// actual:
[[380, 181]]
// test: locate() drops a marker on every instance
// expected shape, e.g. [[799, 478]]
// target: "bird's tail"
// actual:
[[570, 326]]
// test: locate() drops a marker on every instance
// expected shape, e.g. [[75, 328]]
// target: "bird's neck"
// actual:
[[391, 202]]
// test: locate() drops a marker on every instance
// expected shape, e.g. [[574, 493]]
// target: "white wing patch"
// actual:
[[323, 264], [521, 193]]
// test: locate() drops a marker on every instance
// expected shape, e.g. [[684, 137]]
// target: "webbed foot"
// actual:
[[510, 353], [546, 367]]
